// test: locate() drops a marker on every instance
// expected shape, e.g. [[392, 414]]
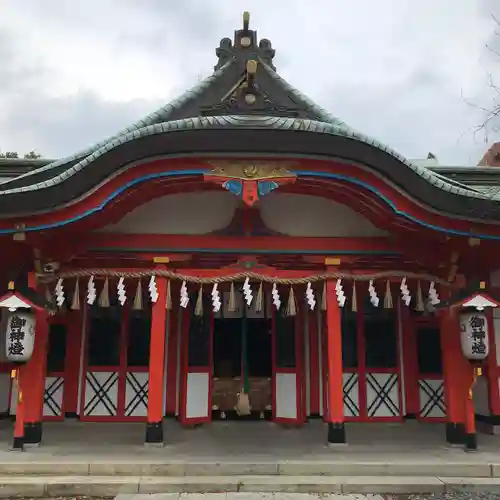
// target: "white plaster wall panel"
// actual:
[[382, 395], [351, 394], [286, 395], [431, 398], [136, 394], [53, 397], [480, 397], [184, 213], [305, 215], [197, 395], [101, 394]]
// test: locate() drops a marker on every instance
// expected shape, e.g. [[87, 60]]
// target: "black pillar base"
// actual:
[[455, 433], [410, 416], [154, 432], [336, 433], [471, 442], [33, 433], [18, 444]]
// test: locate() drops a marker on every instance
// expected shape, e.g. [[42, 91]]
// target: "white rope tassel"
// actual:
[[104, 297], [75, 303]]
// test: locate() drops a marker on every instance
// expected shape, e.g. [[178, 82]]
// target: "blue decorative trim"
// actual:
[[352, 180], [299, 173], [234, 186], [111, 197], [265, 187]]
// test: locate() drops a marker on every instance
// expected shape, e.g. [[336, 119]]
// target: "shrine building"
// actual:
[[241, 253]]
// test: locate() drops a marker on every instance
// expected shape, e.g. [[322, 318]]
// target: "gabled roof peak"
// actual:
[[244, 47]]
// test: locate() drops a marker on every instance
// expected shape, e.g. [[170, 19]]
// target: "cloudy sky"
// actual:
[[412, 74]]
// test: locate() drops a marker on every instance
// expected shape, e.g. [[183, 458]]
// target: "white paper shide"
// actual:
[[474, 335], [20, 337]]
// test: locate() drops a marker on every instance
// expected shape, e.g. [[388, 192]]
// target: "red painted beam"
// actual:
[[150, 242], [400, 200]]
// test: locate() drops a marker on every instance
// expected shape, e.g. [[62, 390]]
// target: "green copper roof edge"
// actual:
[[315, 108], [160, 114], [248, 122]]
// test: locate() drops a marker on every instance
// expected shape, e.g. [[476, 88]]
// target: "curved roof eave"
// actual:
[[248, 122], [159, 116], [164, 114]]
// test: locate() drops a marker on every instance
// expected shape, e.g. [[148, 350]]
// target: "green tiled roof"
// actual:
[[251, 122], [188, 112]]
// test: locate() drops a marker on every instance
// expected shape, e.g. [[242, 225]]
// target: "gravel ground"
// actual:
[[457, 495], [60, 498]]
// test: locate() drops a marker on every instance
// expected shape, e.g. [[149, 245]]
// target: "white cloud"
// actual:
[[75, 72]]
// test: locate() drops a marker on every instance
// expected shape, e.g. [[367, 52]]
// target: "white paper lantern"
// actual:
[[474, 335], [20, 337]]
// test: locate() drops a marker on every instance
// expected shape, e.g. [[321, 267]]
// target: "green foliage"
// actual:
[[32, 155], [9, 154]]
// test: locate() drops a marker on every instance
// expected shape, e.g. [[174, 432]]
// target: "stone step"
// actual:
[[281, 468], [248, 496], [106, 486]]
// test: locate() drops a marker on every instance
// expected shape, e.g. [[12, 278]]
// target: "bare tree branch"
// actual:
[[491, 114]]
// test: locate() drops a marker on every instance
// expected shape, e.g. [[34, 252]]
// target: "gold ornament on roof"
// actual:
[[251, 169]]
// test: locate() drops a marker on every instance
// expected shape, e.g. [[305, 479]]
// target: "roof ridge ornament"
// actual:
[[244, 47]]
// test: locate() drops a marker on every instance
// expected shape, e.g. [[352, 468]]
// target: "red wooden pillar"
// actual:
[[33, 377], [454, 377], [314, 363], [74, 325], [172, 359], [18, 441], [154, 429], [410, 362], [324, 365], [301, 378], [470, 416], [336, 429]]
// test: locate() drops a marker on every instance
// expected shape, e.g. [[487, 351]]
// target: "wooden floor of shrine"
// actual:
[[244, 442]]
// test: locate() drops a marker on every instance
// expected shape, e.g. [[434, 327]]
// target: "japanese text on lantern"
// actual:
[[478, 334], [474, 335], [16, 336]]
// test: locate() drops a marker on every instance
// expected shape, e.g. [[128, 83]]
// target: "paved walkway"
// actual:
[[306, 496], [102, 460], [261, 442], [246, 496]]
